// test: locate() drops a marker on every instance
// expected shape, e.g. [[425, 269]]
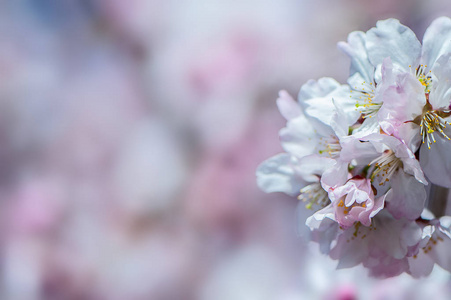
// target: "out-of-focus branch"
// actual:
[[438, 196]]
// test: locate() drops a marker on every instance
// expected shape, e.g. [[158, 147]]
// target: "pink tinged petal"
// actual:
[[401, 103], [354, 202], [355, 49], [364, 215], [388, 267], [407, 196], [278, 174], [360, 196], [364, 189], [388, 76], [336, 193], [436, 162], [409, 88], [288, 107], [346, 220], [391, 39], [436, 41]]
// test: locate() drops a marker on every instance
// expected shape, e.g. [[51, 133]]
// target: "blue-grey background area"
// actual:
[[130, 132]]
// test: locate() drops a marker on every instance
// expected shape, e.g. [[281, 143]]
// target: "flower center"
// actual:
[[431, 122], [385, 166], [425, 79], [330, 146], [314, 194], [346, 209], [364, 100]]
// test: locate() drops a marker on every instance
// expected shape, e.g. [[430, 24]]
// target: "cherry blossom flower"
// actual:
[[285, 172], [412, 98], [355, 202], [382, 247], [364, 152], [433, 247]]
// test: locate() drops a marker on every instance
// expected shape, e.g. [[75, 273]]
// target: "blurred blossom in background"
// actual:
[[130, 132]]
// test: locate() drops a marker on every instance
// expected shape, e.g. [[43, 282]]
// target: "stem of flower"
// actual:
[[438, 197]]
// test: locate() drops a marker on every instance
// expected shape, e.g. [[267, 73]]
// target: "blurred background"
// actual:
[[130, 132]]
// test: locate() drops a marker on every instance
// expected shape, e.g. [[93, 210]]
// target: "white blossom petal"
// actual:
[[299, 137], [317, 89], [440, 95], [324, 228], [288, 107], [369, 126], [355, 49], [356, 149], [436, 162], [279, 174], [339, 122], [314, 164], [436, 41], [392, 39], [315, 221], [316, 99]]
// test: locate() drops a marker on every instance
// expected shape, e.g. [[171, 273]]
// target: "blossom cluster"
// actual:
[[363, 155]]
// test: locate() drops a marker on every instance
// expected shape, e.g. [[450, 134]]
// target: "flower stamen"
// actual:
[[364, 100], [385, 166], [430, 123], [314, 194], [330, 146], [424, 77]]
